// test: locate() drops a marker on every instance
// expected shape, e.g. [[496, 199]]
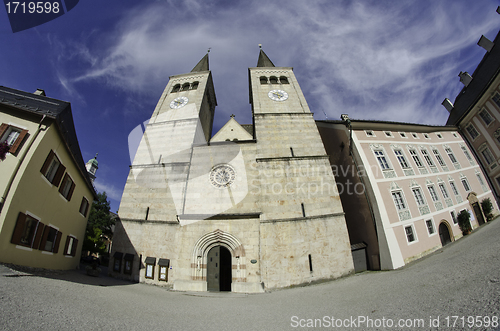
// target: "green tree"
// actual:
[[99, 225], [487, 207], [464, 221]]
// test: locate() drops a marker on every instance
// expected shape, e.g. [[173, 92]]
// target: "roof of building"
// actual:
[[202, 65], [57, 110], [377, 124], [248, 128], [487, 70], [264, 60]]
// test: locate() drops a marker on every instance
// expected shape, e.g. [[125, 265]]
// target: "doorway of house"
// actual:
[[219, 269], [478, 212], [444, 234]]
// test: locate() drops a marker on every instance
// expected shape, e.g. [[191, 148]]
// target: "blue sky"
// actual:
[[385, 60]]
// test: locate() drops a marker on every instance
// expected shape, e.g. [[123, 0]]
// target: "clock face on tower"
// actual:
[[178, 102], [278, 95]]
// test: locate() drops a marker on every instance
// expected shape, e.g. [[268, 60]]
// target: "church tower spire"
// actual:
[[203, 64], [264, 60]]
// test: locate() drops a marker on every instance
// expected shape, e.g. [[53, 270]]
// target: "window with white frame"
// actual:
[[388, 133], [84, 206], [369, 133], [465, 183], [430, 226], [67, 187], [486, 153], [401, 158], [439, 158], [450, 155], [403, 135], [71, 246], [443, 190], [426, 136], [466, 153], [416, 158], [496, 99], [418, 196], [427, 157], [433, 194], [480, 179], [410, 235], [382, 160], [439, 135], [52, 169], [472, 131], [454, 217], [485, 116], [496, 134], [453, 188], [414, 135], [13, 136], [399, 200]]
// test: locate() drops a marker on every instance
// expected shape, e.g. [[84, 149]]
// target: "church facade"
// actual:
[[254, 207]]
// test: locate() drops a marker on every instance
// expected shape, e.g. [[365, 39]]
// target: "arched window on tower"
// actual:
[[185, 87], [176, 88], [194, 86], [274, 80], [283, 80], [263, 80]]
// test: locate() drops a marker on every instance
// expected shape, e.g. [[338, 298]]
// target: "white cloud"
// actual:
[[111, 191], [380, 60]]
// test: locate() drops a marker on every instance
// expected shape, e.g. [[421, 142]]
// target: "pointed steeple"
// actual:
[[264, 61], [203, 64]]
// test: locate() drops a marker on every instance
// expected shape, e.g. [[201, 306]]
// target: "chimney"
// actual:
[[465, 78], [39, 91], [447, 104], [485, 43]]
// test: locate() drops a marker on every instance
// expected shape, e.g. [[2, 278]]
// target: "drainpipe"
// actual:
[[21, 159]]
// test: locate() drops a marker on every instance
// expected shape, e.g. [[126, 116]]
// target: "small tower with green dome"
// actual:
[[92, 166]]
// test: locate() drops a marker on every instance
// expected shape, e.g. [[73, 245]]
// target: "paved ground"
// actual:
[[462, 279]]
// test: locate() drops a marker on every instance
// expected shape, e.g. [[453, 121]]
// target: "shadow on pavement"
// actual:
[[76, 276]]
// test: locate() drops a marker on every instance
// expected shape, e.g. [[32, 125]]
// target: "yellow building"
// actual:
[[45, 190]]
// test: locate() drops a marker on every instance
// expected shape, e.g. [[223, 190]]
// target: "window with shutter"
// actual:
[[13, 136], [27, 231], [84, 207], [70, 246], [67, 187], [52, 169], [50, 240]]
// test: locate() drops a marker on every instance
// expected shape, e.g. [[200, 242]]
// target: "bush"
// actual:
[[487, 207], [464, 222]]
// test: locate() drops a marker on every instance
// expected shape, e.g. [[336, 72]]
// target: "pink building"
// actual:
[[402, 186]]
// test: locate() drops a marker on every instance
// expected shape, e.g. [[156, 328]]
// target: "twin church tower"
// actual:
[[250, 208]]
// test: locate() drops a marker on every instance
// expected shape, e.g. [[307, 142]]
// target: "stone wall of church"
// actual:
[[304, 250]]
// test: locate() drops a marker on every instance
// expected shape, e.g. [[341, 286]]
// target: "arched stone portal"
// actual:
[[220, 254], [445, 233]]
